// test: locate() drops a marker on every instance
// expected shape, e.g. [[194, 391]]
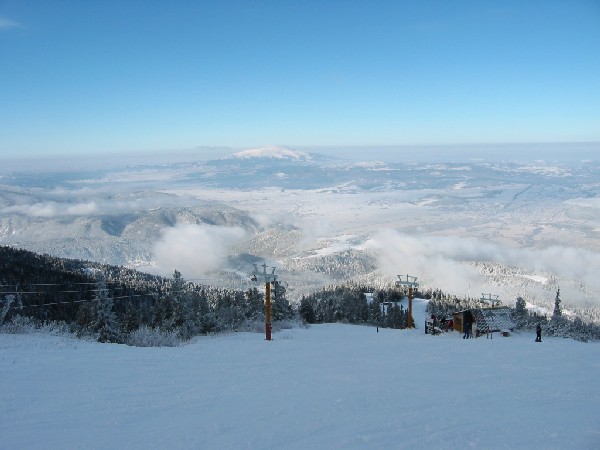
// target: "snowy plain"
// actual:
[[323, 387]]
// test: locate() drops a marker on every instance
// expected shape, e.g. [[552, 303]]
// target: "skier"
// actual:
[[538, 333], [467, 329]]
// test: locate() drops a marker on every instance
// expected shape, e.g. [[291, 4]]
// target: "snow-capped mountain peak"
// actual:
[[273, 152]]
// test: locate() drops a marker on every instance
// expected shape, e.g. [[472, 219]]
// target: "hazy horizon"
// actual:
[[552, 151]]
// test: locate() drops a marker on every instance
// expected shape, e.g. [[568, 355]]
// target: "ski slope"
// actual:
[[328, 386]]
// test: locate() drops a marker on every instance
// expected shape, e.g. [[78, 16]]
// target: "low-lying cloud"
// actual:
[[88, 202], [441, 261], [53, 209], [435, 261], [195, 250]]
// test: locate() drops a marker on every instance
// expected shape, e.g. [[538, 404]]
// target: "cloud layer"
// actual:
[[195, 250], [441, 261], [53, 209]]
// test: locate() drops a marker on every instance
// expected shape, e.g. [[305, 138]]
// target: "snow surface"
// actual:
[[328, 386]]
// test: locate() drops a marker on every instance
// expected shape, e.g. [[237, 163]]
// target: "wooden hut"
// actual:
[[460, 318], [487, 320]]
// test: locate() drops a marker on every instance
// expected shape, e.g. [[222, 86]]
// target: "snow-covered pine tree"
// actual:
[[579, 330], [207, 318], [131, 318], [166, 309], [176, 300], [404, 317], [559, 325], [5, 306], [190, 315], [238, 309], [394, 316], [520, 313], [307, 311], [187, 305], [557, 308], [281, 308], [254, 305], [104, 319], [375, 313]]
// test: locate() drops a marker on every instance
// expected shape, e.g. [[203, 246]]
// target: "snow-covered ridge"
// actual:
[[271, 152]]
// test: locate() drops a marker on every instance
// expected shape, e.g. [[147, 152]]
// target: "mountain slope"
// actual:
[[328, 386]]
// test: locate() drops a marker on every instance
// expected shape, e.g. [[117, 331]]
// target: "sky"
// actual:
[[114, 77]]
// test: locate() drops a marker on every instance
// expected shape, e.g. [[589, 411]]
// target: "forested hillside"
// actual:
[[114, 304]]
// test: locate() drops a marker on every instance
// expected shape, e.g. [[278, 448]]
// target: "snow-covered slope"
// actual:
[[328, 386]]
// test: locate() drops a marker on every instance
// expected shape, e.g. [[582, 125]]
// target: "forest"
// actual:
[[116, 304]]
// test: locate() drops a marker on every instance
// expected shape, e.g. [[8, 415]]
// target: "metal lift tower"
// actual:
[[410, 282], [269, 278]]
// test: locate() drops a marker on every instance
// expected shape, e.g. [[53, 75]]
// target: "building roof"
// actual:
[[493, 319]]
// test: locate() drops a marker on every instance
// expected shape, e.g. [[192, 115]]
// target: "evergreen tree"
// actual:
[[375, 314], [176, 299], [281, 309], [394, 316], [307, 311], [557, 308], [104, 321], [166, 312], [207, 317], [559, 325], [520, 313], [255, 305], [162, 313], [5, 306], [131, 318]]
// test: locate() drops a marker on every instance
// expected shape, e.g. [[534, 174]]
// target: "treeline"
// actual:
[[558, 324], [348, 304], [116, 304]]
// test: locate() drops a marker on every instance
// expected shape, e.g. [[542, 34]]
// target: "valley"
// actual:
[[466, 226]]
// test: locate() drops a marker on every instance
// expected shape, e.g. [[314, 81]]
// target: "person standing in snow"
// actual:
[[538, 333], [467, 329]]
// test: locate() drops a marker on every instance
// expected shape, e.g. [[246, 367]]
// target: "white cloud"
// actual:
[[52, 209], [90, 201], [195, 250], [441, 260], [592, 203], [7, 23], [434, 261]]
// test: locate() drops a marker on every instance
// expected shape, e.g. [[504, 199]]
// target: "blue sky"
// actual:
[[82, 77]]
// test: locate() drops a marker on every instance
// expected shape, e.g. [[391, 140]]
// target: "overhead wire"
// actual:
[[88, 291]]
